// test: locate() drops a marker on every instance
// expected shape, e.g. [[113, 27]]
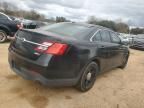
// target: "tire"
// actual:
[[88, 77], [125, 60], [3, 36]]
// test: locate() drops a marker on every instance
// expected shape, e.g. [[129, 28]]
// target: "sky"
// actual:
[[129, 11]]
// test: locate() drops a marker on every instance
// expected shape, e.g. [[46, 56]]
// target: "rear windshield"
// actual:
[[68, 29]]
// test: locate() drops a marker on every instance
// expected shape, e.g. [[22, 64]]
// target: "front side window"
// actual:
[[115, 38], [105, 36]]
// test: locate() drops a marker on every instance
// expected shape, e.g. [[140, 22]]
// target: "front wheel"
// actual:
[[88, 77], [3, 36]]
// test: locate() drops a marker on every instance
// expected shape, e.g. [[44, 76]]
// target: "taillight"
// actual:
[[52, 48], [57, 49]]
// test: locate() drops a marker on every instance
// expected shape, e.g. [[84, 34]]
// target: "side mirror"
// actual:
[[124, 42]]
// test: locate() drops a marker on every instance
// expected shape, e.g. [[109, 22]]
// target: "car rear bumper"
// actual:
[[37, 77], [32, 71]]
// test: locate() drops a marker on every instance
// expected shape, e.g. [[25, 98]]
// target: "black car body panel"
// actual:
[[63, 69], [8, 25]]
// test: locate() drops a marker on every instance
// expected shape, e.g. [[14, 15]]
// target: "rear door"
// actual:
[[106, 49], [117, 49], [104, 52]]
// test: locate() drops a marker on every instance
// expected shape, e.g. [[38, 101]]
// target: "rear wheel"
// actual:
[[88, 77], [125, 60], [3, 36]]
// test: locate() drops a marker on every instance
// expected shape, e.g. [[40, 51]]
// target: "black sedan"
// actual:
[[66, 54], [138, 43]]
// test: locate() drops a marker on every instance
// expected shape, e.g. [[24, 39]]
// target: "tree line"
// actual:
[[12, 10], [137, 30], [118, 27]]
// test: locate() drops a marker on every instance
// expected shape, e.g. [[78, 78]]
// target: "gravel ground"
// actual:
[[115, 89]]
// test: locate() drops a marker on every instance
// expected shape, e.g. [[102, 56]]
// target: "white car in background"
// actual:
[[125, 39]]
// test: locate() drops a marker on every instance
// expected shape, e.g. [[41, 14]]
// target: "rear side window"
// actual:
[[105, 36], [97, 37]]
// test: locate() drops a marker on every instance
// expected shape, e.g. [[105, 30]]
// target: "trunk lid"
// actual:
[[27, 40]]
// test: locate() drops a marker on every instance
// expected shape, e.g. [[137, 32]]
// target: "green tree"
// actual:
[[137, 31], [61, 19], [118, 27], [122, 28]]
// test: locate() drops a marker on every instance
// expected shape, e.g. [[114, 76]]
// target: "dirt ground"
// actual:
[[115, 89]]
